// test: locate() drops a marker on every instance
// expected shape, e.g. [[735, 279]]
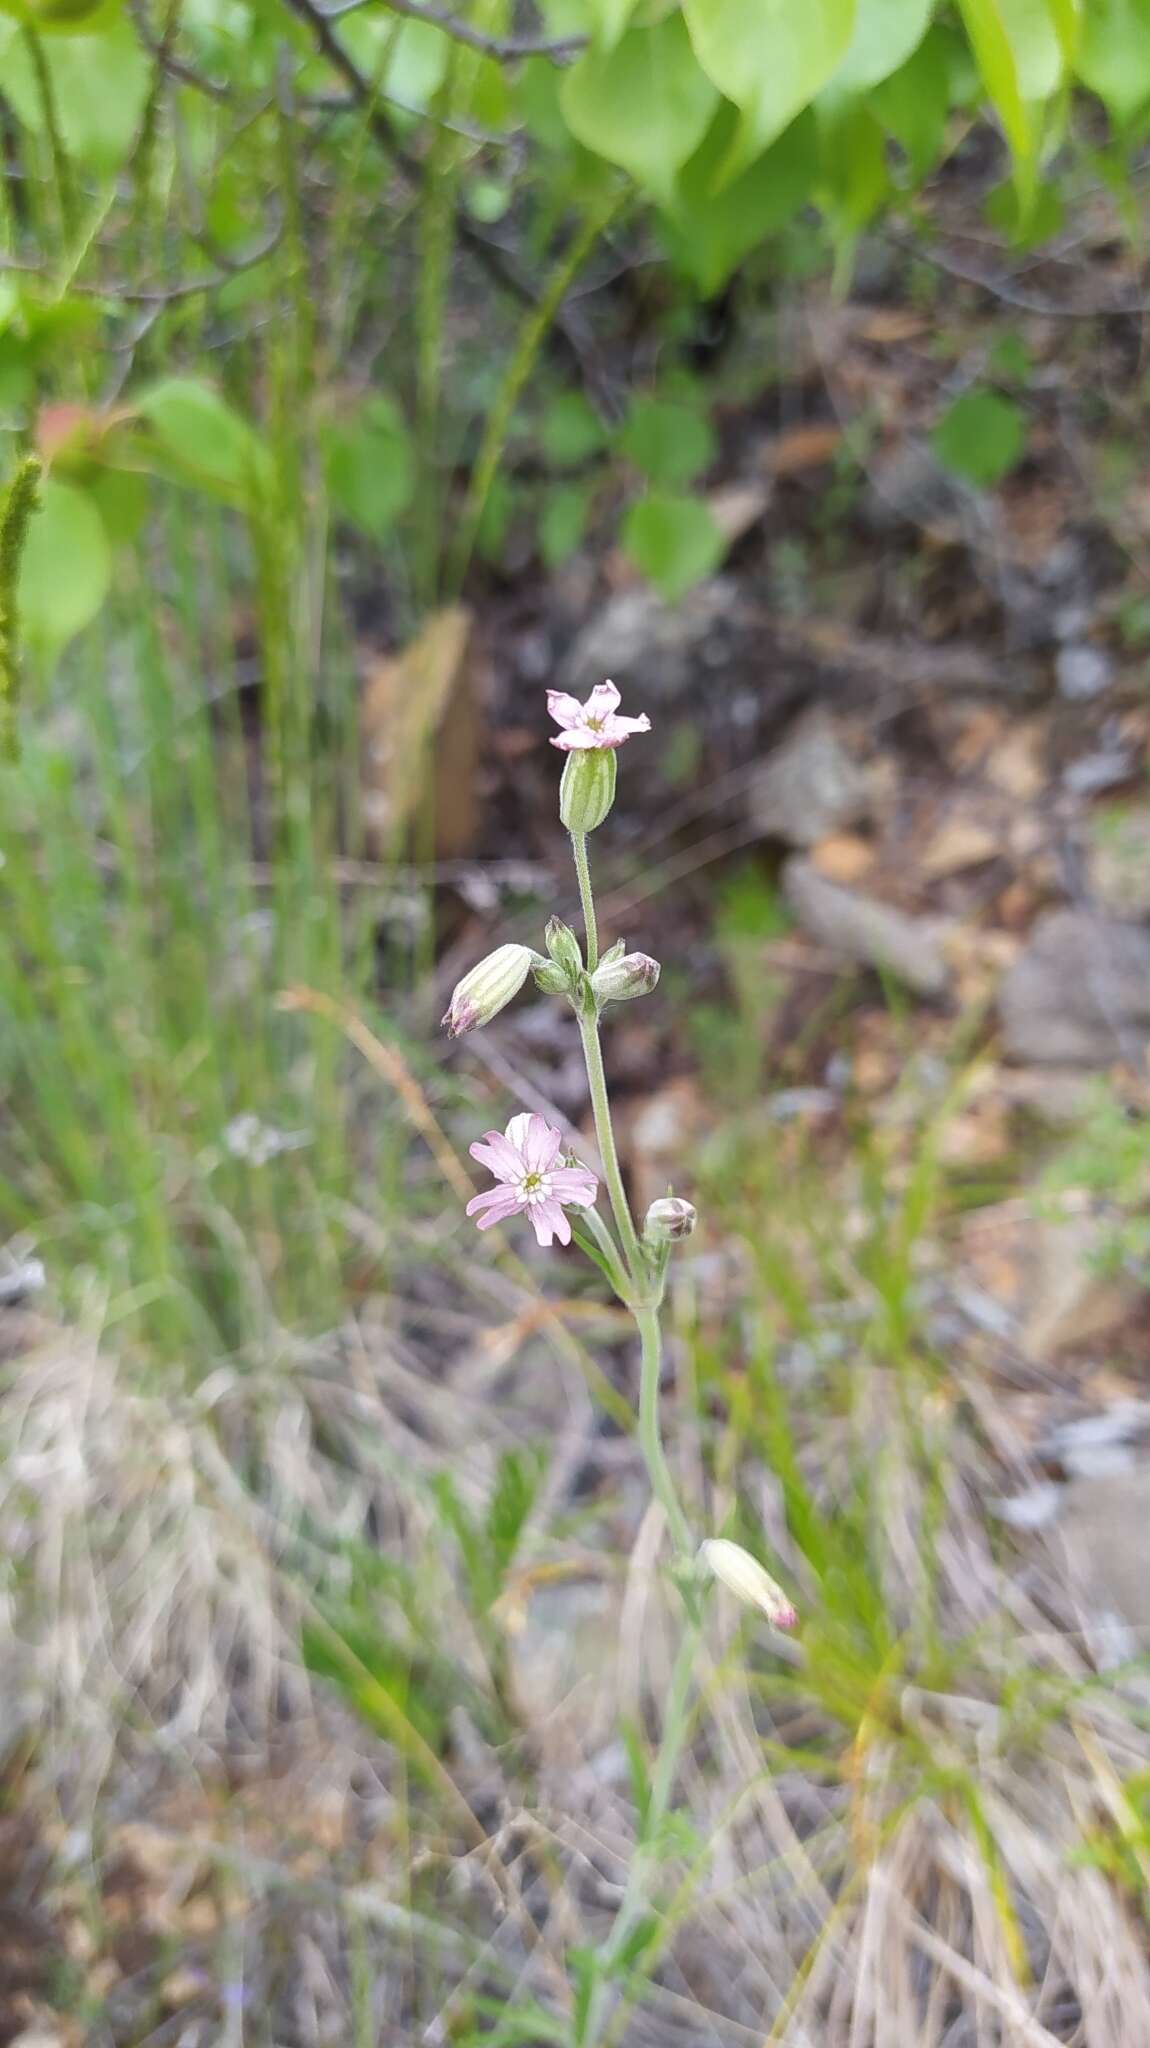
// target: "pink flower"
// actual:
[[592, 725], [525, 1162]]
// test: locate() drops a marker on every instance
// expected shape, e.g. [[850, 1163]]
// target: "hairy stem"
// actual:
[[605, 1134], [586, 899], [676, 1723], [650, 1437]]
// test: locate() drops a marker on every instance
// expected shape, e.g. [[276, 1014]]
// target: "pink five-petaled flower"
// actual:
[[525, 1161], [593, 724]]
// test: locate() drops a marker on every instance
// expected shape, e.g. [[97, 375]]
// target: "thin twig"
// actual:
[[498, 261], [505, 49]]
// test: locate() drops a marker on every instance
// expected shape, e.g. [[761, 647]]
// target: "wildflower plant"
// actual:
[[536, 1176]]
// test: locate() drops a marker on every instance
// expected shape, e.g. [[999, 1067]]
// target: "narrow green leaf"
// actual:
[[914, 103], [996, 62]]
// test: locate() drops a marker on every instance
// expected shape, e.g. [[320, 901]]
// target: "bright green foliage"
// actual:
[[770, 57], [981, 438], [18, 503], [668, 442], [563, 521], [570, 430], [207, 441], [885, 34], [645, 104], [673, 540], [711, 225], [66, 568], [370, 466], [99, 82], [1114, 54]]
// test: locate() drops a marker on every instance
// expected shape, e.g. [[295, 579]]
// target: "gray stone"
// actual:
[[808, 786], [638, 639], [1104, 1526], [1079, 994], [859, 929], [1082, 671]]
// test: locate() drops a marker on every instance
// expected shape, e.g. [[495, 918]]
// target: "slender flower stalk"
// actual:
[[535, 1177], [586, 899]]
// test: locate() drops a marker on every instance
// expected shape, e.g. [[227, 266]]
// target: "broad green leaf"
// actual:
[[570, 430], [644, 105], [1114, 54], [209, 442], [980, 438], [100, 83], [370, 471], [994, 53], [770, 57], [610, 18], [674, 541], [65, 569], [885, 33], [914, 103], [409, 58], [563, 521], [709, 231], [669, 443]]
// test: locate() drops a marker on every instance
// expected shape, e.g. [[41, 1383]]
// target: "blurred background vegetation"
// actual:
[[375, 365]]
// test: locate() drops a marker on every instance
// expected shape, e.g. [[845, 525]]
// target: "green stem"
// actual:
[[650, 1437], [605, 1134], [532, 334], [676, 1723], [586, 899]]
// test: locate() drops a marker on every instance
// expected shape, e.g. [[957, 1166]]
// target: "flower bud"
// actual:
[[563, 947], [551, 980], [669, 1219], [631, 974], [587, 790], [488, 988], [744, 1576]]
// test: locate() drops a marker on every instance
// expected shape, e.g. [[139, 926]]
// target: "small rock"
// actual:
[[959, 843], [1079, 994], [640, 640], [562, 1651], [1073, 1302], [1118, 864], [1016, 765], [1093, 773], [1104, 1526], [844, 857], [1082, 671], [858, 928], [809, 786]]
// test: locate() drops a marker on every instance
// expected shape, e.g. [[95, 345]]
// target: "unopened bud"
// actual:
[[587, 790], [563, 947], [669, 1219], [629, 974], [744, 1576], [551, 980], [488, 988]]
